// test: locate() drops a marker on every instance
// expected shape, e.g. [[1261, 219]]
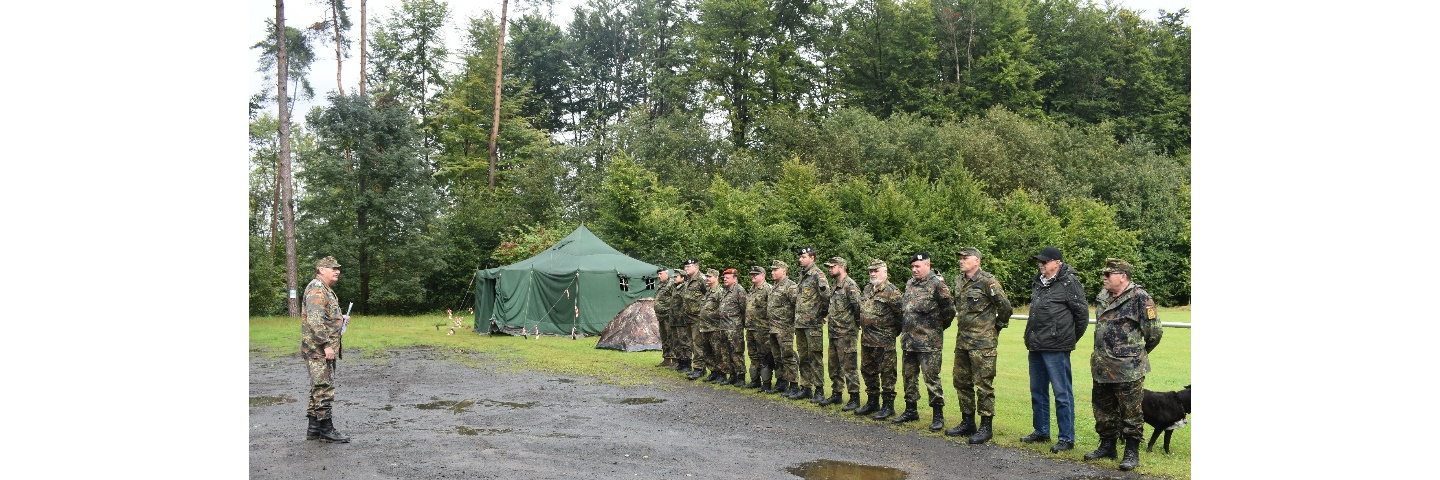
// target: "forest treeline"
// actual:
[[733, 131]]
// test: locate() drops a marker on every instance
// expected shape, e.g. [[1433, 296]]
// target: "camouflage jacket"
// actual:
[[929, 309], [321, 322], [664, 301], [983, 310], [812, 299], [880, 315], [755, 303], [710, 309], [780, 307], [1126, 330], [685, 309], [844, 308], [732, 307]]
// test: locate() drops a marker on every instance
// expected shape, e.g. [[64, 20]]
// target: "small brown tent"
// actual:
[[634, 329]]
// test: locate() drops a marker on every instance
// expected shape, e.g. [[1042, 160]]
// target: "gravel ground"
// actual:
[[424, 413]]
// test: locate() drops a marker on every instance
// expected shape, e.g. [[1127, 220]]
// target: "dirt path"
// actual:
[[419, 413]]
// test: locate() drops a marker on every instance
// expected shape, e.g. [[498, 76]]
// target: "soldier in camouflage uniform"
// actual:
[[757, 330], [679, 332], [929, 310], [982, 312], [711, 345], [663, 292], [880, 318], [780, 307], [686, 316], [811, 302], [732, 315], [844, 311], [320, 333], [1126, 330]]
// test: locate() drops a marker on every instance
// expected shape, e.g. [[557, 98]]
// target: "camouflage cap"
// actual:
[[327, 262], [756, 270], [877, 264], [778, 264], [710, 272], [834, 261], [969, 252], [1113, 265]]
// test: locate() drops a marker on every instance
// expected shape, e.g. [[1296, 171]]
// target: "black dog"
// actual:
[[1165, 412]]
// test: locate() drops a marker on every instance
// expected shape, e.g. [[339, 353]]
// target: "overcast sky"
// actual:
[[302, 13]]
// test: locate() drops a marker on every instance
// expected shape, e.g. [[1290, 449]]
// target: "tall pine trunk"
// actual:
[[292, 280], [362, 48], [499, 61]]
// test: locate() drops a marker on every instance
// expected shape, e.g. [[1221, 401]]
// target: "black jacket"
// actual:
[[1058, 313]]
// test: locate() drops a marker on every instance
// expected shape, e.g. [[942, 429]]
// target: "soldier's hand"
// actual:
[[329, 353]]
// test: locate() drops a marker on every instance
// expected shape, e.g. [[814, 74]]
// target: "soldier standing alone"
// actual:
[[982, 312], [929, 310], [320, 333]]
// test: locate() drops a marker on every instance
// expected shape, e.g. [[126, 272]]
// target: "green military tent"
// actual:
[[576, 286]]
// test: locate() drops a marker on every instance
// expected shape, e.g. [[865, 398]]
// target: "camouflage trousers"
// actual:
[[842, 363], [681, 342], [757, 344], [877, 364], [974, 379], [322, 387], [667, 342], [737, 351], [810, 347], [928, 365], [782, 349], [1117, 409], [712, 350]]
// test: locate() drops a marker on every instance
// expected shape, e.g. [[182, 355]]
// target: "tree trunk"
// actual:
[[362, 225], [292, 281], [362, 48], [499, 61]]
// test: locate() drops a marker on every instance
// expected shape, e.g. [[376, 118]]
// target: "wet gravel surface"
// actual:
[[428, 413]]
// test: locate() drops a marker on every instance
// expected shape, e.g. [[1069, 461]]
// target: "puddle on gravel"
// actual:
[[838, 470], [563, 380], [454, 407], [273, 400], [632, 400], [509, 404], [464, 430]]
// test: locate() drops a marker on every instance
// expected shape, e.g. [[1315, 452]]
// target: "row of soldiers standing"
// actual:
[[706, 328]]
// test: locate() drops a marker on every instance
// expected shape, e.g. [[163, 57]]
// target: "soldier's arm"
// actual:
[[822, 289], [1003, 309], [1150, 324], [945, 305], [315, 317]]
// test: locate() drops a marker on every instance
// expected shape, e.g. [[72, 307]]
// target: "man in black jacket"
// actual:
[[1058, 317]]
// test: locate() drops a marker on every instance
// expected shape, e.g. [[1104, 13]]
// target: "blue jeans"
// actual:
[[1052, 370]]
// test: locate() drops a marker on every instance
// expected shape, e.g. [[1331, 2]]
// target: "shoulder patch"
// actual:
[[1150, 309]]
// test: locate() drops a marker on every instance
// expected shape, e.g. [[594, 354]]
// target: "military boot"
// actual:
[[312, 431], [909, 415], [1132, 455], [887, 408], [819, 397], [965, 428], [682, 365], [870, 406], [937, 421], [984, 433], [696, 373], [738, 381], [778, 388], [802, 393], [853, 404], [1105, 450], [834, 399], [328, 433], [717, 376]]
